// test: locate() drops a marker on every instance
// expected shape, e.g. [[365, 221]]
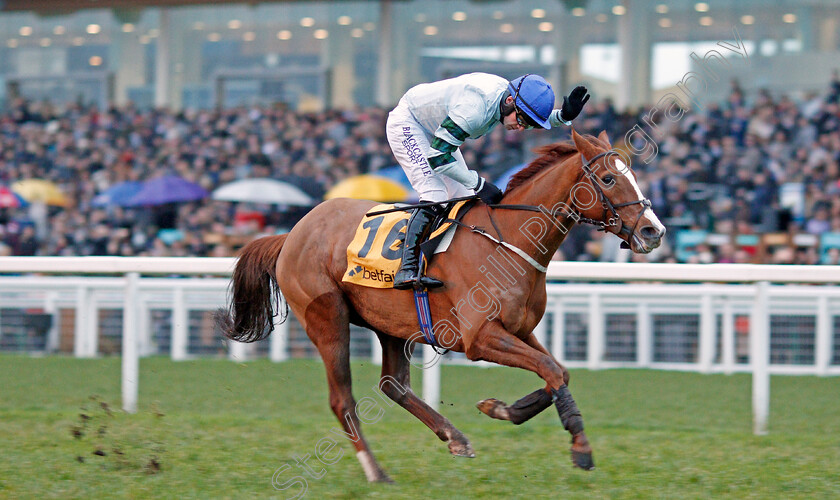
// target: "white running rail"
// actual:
[[694, 323]]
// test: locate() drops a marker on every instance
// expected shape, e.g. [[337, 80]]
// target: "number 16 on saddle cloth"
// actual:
[[373, 256]]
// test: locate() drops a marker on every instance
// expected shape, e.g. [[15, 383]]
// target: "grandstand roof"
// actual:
[[572, 41], [73, 5]]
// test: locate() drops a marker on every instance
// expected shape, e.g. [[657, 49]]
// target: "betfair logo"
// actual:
[[372, 274]]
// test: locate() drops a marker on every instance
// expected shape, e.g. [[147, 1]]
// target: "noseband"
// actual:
[[610, 213]]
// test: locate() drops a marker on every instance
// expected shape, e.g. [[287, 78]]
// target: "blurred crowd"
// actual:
[[85, 151], [738, 170], [750, 165]]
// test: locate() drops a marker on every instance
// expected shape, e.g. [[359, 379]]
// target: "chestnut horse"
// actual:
[[576, 181]]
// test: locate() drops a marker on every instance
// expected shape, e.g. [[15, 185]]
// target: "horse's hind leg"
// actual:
[[328, 327], [396, 384]]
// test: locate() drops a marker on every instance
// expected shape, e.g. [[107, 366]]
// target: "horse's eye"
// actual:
[[608, 179]]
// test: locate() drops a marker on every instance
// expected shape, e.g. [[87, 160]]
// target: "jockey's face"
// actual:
[[510, 121]]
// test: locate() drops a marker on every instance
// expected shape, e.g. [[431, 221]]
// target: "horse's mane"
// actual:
[[549, 155]]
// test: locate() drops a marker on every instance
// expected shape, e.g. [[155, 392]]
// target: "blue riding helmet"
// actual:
[[533, 96]]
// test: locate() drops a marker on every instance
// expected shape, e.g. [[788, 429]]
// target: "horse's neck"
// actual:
[[545, 190]]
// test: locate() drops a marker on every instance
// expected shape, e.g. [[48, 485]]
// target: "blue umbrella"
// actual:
[[167, 189], [118, 194], [395, 173], [503, 179]]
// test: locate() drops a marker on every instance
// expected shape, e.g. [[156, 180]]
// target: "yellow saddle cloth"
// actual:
[[373, 256]]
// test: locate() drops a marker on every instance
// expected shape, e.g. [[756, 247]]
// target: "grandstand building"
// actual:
[[731, 109], [317, 55]]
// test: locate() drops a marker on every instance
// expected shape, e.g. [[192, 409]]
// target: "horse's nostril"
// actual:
[[651, 233]]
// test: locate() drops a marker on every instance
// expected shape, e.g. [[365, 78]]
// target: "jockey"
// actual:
[[433, 119]]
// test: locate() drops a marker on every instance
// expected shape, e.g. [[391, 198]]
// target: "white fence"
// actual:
[[753, 327]]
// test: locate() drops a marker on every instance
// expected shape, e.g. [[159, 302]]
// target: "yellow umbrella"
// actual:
[[40, 190], [368, 187]]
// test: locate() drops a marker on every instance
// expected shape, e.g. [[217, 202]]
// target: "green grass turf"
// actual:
[[218, 429]]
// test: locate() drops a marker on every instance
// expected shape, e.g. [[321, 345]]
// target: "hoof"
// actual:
[[583, 460], [382, 479], [373, 472], [461, 449], [493, 408]]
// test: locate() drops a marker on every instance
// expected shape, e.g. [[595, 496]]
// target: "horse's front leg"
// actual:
[[519, 412], [493, 343], [529, 406]]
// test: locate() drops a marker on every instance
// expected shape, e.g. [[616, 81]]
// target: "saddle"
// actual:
[[374, 254]]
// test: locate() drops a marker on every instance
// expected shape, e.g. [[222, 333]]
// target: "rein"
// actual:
[[608, 205], [404, 208], [610, 212]]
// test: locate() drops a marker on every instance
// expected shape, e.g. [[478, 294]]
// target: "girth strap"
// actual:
[[518, 251]]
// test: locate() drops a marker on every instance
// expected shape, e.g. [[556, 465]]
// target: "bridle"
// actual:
[[610, 213]]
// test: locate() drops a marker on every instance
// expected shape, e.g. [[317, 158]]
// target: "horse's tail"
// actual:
[[255, 294]]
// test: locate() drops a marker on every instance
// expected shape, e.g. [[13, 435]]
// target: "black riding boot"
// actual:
[[415, 233]]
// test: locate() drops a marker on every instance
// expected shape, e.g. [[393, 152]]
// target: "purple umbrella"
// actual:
[[167, 189]]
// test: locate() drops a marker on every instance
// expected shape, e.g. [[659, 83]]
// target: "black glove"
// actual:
[[488, 192], [573, 103]]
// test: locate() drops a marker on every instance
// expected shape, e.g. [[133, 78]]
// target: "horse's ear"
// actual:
[[583, 146], [603, 137]]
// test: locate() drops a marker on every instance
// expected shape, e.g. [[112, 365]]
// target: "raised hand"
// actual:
[[573, 103]]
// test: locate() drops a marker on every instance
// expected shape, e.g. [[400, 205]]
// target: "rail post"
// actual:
[[644, 342], [558, 334], [727, 342], [431, 377], [823, 336], [375, 349], [81, 324], [595, 345], [130, 358], [278, 342], [760, 358], [707, 333], [178, 346]]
